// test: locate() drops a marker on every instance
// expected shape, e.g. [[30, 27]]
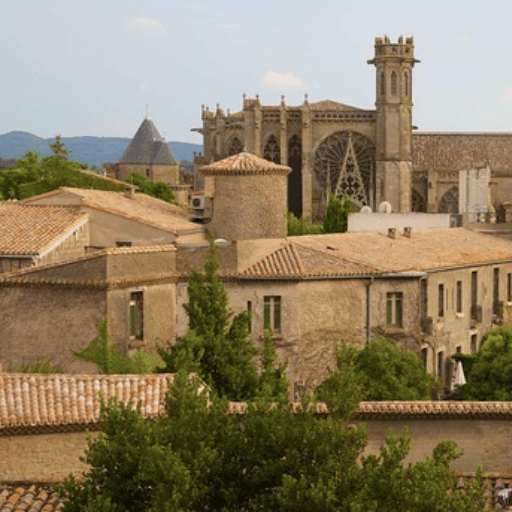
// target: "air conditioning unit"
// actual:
[[427, 325], [197, 202]]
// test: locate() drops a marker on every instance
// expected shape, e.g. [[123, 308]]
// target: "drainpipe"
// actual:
[[368, 311]]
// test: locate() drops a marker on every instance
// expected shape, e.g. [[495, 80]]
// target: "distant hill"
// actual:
[[88, 150]]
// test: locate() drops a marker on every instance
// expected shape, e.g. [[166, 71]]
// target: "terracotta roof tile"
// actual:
[[423, 251], [244, 163], [34, 230], [332, 105], [29, 498], [296, 260], [28, 400], [140, 208]]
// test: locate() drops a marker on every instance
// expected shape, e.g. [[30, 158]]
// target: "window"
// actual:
[[496, 285], [459, 296], [474, 343], [382, 84], [440, 300], [509, 287], [249, 310], [440, 365], [406, 83], [272, 313], [137, 315], [394, 83], [394, 309]]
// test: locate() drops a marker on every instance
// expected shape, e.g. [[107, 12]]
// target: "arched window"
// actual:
[[450, 201], [271, 151], [382, 83], [406, 83], [394, 83], [235, 146]]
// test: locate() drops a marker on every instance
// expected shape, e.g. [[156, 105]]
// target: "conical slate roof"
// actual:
[[148, 147]]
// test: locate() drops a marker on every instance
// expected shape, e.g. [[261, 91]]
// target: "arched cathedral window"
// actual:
[[271, 151], [382, 83], [406, 83], [394, 83], [450, 201], [235, 146]]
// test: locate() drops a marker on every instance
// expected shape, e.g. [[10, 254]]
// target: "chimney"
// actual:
[[408, 231], [391, 232]]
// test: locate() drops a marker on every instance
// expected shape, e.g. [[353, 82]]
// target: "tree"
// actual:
[[157, 189], [383, 371], [109, 359], [197, 457], [301, 226], [336, 216], [218, 346], [489, 370]]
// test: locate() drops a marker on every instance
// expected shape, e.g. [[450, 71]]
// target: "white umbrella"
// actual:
[[460, 379]]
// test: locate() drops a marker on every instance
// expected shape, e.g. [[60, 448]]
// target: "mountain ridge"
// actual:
[[87, 149]]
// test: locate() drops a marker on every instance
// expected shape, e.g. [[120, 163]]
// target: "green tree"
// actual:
[[383, 371], [109, 359], [489, 370], [218, 346], [197, 457], [157, 189], [301, 226], [336, 216]]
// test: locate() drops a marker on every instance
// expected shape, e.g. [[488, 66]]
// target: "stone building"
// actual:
[[149, 155], [125, 218], [38, 235], [50, 311], [368, 155], [315, 291]]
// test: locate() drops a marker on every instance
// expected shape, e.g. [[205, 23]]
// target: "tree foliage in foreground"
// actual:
[[109, 359], [218, 346], [197, 457], [489, 371], [382, 371]]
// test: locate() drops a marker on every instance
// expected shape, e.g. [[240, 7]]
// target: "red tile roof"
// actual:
[[29, 498], [296, 260], [244, 164], [35, 230], [38, 400]]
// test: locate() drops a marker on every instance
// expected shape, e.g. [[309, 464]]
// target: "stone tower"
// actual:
[[148, 154], [393, 138], [250, 197]]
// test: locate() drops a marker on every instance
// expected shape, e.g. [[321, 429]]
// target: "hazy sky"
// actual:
[[89, 67]]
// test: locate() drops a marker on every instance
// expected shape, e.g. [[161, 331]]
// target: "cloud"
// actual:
[[273, 79], [146, 25]]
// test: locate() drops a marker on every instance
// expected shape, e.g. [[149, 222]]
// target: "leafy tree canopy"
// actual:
[[196, 457], [382, 371], [157, 189], [218, 346], [489, 371], [109, 359], [336, 216]]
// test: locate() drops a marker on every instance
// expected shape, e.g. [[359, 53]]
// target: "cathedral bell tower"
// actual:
[[394, 63]]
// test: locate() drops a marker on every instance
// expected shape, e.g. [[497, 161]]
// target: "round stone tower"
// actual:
[[250, 198], [393, 142]]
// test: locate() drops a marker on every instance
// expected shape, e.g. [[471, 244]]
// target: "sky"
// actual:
[[93, 67]]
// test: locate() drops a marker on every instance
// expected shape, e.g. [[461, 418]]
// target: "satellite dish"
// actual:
[[385, 207]]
